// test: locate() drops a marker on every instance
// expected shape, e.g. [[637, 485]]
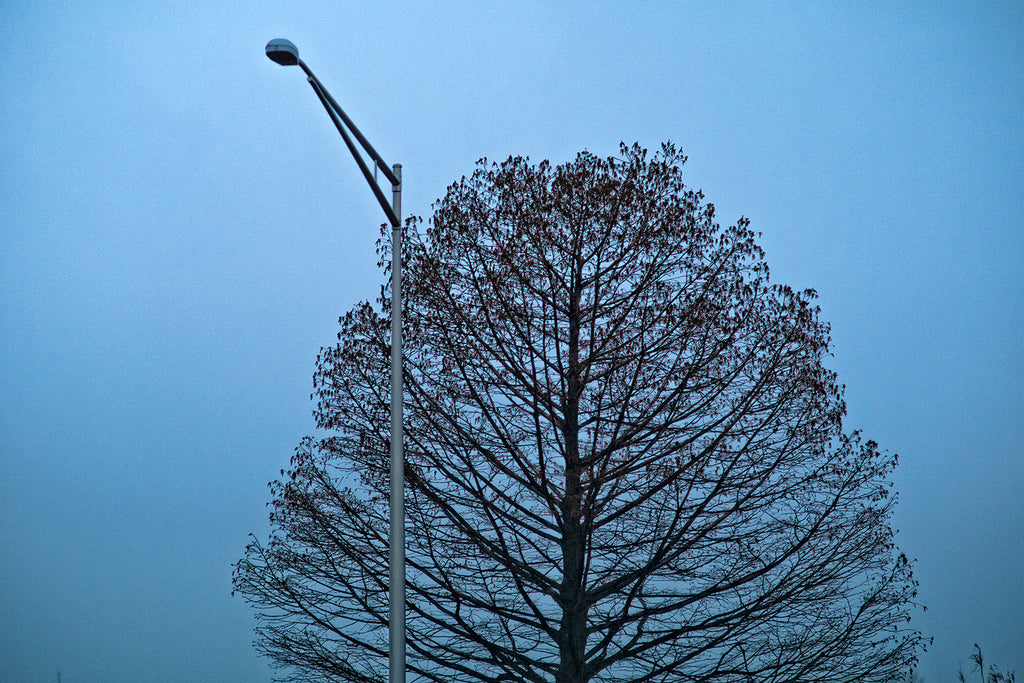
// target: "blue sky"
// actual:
[[181, 226]]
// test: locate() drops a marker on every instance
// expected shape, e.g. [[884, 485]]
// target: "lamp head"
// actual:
[[283, 52]]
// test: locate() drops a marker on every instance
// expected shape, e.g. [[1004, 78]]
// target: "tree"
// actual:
[[994, 674], [625, 457]]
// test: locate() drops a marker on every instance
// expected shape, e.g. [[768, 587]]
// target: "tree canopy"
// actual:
[[625, 457]]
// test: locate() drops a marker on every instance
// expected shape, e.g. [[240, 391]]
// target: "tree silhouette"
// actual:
[[625, 457], [994, 673]]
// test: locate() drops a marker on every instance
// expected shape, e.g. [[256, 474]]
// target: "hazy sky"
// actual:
[[181, 226]]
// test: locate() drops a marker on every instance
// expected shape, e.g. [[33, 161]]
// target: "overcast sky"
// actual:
[[181, 226]]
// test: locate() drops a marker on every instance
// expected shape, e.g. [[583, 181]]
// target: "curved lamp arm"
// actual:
[[285, 53]]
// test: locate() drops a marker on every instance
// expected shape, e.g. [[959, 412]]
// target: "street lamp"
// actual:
[[285, 53]]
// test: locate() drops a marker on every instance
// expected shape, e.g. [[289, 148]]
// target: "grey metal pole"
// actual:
[[396, 587], [285, 53]]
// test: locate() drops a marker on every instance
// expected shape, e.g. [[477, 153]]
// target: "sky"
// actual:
[[181, 226]]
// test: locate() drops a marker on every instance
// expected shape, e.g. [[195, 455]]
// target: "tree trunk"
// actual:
[[572, 632]]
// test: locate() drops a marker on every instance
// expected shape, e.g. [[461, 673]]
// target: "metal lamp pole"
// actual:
[[285, 53]]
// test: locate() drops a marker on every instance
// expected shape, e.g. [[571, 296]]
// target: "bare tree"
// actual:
[[994, 673], [625, 457]]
